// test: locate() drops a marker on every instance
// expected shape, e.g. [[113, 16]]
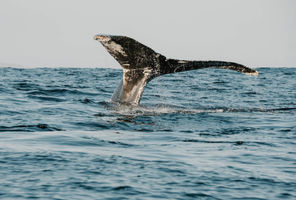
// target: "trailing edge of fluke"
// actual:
[[141, 64]]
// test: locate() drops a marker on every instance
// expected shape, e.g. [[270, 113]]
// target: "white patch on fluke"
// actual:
[[125, 65], [116, 47], [109, 44]]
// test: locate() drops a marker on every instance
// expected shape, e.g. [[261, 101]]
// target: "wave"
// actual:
[[47, 98], [263, 110], [58, 91], [29, 128], [248, 143], [159, 109]]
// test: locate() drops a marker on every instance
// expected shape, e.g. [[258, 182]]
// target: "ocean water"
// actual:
[[204, 134]]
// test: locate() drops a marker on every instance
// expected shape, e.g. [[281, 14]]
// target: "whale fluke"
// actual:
[[141, 64]]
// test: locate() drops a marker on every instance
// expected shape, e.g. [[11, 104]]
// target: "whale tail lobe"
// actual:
[[141, 64]]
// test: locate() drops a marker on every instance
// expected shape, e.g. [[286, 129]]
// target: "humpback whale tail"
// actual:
[[141, 64]]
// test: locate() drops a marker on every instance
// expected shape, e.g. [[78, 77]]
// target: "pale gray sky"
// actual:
[[59, 33]]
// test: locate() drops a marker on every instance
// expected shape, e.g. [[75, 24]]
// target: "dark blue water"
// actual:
[[205, 134]]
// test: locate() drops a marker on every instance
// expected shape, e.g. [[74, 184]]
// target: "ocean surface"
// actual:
[[204, 134]]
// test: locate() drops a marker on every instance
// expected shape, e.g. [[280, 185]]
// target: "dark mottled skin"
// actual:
[[137, 58], [140, 56]]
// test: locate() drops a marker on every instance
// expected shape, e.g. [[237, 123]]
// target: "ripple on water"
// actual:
[[29, 128]]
